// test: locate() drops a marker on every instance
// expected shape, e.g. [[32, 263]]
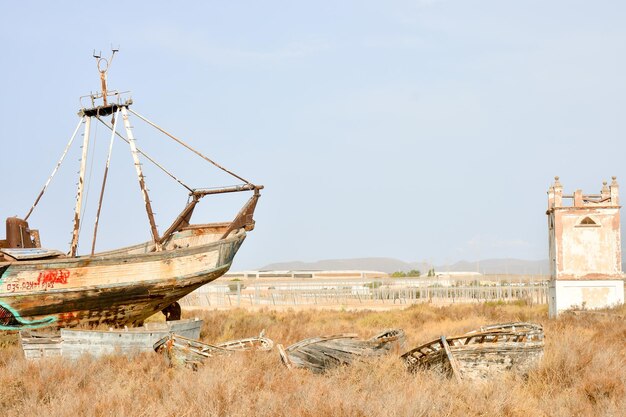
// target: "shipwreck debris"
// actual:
[[183, 351], [37, 345], [319, 354], [72, 343], [482, 353]]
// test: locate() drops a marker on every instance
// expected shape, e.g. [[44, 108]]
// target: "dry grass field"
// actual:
[[582, 374]]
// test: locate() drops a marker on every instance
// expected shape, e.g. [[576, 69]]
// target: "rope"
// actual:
[[148, 157], [54, 171], [88, 183], [189, 147]]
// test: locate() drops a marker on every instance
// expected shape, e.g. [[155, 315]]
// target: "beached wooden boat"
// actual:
[[73, 343], [41, 287], [185, 351], [482, 353], [319, 354]]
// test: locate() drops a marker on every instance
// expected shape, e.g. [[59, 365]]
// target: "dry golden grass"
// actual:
[[583, 372]]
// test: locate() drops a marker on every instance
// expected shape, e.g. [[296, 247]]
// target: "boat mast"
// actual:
[[103, 66], [81, 187], [142, 180], [98, 111], [103, 72], [104, 183]]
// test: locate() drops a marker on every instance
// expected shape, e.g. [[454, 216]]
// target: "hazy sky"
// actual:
[[420, 130]]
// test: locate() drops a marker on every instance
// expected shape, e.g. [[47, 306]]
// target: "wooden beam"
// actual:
[[451, 359], [142, 181], [81, 187]]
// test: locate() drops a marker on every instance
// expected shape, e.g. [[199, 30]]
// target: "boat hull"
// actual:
[[319, 354], [482, 354], [117, 288], [74, 343], [180, 350]]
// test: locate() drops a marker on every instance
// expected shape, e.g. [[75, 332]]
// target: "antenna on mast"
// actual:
[[103, 67]]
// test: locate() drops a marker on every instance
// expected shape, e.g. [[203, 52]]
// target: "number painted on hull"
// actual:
[[46, 279]]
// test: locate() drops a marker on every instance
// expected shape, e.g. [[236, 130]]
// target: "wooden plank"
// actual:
[[38, 347], [74, 343], [453, 363], [31, 253], [321, 353], [129, 341], [284, 357]]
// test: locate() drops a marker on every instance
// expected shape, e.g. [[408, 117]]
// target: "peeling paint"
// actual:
[[11, 320], [585, 245]]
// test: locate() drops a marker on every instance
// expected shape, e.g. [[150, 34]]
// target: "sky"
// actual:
[[424, 130]]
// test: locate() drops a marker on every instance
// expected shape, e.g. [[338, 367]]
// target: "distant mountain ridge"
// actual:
[[370, 264], [485, 266], [500, 266]]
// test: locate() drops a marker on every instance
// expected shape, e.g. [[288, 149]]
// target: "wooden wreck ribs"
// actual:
[[319, 354], [481, 353], [182, 351]]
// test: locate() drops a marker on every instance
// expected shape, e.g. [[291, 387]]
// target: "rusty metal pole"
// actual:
[[81, 187], [103, 67], [103, 82], [142, 182]]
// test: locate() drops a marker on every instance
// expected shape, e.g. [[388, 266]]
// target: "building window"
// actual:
[[587, 222]]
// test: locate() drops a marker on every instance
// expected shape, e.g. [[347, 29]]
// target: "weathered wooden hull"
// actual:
[[491, 351], [73, 343], [318, 354], [181, 351], [121, 287]]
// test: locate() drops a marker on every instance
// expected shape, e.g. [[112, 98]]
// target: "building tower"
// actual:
[[585, 249]]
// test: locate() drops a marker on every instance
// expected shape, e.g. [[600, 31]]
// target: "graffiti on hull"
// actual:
[[11, 320]]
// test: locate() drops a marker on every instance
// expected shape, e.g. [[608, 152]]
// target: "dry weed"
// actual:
[[583, 372]]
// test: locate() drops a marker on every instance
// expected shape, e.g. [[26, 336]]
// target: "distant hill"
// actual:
[[486, 266], [370, 264], [499, 266]]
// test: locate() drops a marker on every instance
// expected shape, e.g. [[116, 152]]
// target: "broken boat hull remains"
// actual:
[[180, 351], [481, 354], [318, 354], [74, 343]]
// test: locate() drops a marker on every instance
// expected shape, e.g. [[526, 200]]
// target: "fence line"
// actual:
[[362, 292]]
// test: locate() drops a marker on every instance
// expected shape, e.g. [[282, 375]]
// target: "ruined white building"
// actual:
[[585, 249]]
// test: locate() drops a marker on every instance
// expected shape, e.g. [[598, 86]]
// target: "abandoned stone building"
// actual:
[[584, 249]]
